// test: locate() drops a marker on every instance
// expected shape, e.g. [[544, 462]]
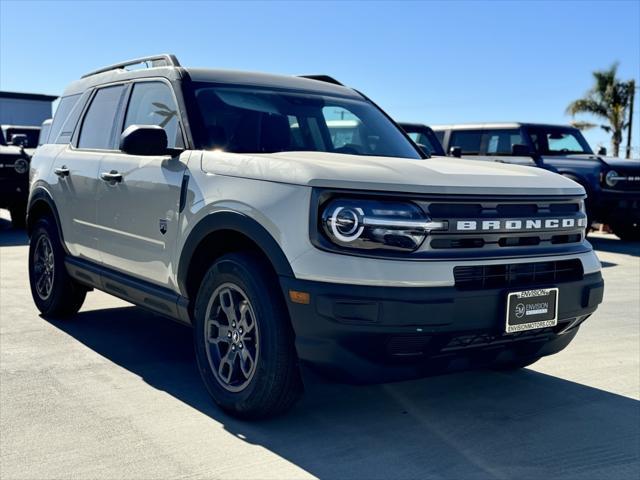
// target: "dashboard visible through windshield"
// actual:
[[256, 120]]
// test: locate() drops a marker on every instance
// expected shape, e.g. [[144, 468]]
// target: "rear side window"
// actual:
[[501, 142], [99, 121], [152, 103], [62, 113], [469, 141]]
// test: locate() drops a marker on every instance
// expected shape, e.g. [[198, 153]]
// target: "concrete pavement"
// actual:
[[114, 393]]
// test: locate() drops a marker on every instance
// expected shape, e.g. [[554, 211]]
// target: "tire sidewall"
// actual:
[[44, 227], [234, 269]]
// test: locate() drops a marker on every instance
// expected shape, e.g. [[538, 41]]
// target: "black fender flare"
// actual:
[[40, 194], [237, 222]]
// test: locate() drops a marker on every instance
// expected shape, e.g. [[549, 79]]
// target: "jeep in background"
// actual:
[[424, 137], [243, 205], [612, 184], [17, 144]]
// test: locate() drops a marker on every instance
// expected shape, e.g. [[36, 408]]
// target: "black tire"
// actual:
[[628, 233], [18, 216], [65, 295], [275, 382], [516, 364]]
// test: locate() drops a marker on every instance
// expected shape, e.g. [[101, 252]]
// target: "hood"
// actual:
[[628, 165], [439, 175]]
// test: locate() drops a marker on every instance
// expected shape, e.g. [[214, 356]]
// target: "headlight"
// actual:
[[21, 166], [375, 224], [612, 178]]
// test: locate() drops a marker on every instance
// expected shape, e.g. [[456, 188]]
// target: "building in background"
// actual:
[[25, 108]]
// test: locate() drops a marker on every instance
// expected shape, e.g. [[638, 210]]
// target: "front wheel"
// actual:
[[53, 290], [244, 340]]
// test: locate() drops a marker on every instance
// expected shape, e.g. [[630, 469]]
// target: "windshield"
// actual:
[[252, 120], [558, 141]]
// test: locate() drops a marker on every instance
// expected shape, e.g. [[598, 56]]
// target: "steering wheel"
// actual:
[[348, 148]]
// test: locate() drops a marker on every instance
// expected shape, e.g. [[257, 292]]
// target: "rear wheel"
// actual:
[[243, 339], [54, 292]]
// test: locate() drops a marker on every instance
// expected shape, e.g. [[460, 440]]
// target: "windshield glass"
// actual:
[[252, 120], [558, 141]]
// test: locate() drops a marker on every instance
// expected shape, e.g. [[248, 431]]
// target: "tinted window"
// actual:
[[440, 136], [62, 113], [152, 103], [501, 142], [468, 140], [97, 128], [244, 120]]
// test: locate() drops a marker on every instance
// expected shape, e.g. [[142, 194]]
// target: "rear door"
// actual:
[[139, 213], [75, 183]]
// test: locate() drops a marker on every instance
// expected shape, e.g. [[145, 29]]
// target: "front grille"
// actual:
[[505, 224], [479, 277]]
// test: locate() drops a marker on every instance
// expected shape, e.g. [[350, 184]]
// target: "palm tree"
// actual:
[[608, 99]]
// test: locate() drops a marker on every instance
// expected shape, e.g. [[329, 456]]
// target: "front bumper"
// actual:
[[379, 334]]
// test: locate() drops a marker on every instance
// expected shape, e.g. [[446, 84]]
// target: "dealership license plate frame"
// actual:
[[525, 298]]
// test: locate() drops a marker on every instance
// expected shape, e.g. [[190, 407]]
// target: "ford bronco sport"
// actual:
[[612, 184], [222, 200]]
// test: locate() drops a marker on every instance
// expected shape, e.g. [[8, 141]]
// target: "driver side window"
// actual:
[[152, 103]]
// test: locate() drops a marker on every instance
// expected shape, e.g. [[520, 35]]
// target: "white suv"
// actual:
[[221, 199]]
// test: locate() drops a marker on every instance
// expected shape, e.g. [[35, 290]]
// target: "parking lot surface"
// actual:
[[114, 393]]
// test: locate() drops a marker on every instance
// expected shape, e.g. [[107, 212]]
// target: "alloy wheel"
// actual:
[[232, 338]]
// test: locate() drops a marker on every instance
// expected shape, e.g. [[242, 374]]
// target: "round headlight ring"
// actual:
[[21, 166], [346, 223], [611, 178]]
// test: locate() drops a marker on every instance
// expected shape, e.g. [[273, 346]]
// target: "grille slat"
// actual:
[[480, 277]]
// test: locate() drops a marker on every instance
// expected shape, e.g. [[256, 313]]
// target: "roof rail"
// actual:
[[163, 60], [323, 78]]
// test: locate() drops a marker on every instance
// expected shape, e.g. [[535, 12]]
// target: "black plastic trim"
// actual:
[[40, 194], [237, 222], [139, 292]]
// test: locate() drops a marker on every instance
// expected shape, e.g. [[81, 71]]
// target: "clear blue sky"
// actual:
[[433, 62]]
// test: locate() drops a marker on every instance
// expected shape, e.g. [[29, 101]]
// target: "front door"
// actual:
[[139, 196]]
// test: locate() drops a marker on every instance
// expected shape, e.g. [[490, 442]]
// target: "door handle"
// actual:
[[112, 177], [62, 171]]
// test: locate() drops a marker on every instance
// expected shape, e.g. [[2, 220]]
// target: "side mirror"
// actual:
[[19, 140], [519, 150], [602, 151], [455, 152], [144, 140]]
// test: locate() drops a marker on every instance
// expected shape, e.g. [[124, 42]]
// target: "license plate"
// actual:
[[532, 309]]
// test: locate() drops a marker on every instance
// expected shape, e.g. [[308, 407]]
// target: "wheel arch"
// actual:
[[41, 204], [224, 232]]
